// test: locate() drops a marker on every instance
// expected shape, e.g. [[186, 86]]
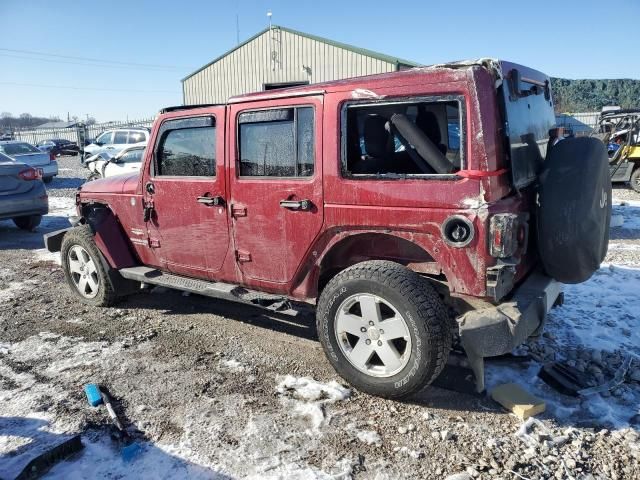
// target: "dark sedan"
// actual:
[[23, 197], [58, 146]]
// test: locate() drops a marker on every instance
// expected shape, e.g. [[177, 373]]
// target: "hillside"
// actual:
[[592, 95]]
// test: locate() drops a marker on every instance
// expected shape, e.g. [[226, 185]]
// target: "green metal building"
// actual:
[[278, 57]]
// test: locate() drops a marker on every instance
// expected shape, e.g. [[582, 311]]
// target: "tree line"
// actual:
[[26, 120], [592, 95]]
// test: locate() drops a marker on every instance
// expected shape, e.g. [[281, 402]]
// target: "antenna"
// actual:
[[271, 52]]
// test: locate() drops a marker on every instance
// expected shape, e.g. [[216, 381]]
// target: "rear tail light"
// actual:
[[52, 156], [507, 233], [30, 174]]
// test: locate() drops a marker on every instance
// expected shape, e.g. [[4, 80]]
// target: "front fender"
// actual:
[[53, 240]]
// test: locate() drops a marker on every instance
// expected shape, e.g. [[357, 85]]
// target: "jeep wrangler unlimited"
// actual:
[[414, 209]]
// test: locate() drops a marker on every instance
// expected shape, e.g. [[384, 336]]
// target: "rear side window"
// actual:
[[410, 137], [136, 137], [19, 149], [188, 152], [276, 143], [120, 137]]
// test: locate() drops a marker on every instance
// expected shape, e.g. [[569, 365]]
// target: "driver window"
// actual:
[[403, 138], [105, 138]]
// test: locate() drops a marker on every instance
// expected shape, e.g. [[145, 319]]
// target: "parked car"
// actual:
[[620, 130], [23, 196], [108, 164], [58, 146], [301, 195], [116, 140], [27, 153]]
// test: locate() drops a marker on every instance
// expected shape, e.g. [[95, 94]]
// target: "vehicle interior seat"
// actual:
[[377, 147]]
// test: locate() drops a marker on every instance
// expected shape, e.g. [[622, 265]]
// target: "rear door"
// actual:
[[186, 191], [276, 185]]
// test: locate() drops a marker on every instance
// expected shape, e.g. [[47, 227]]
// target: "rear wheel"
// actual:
[[634, 181], [84, 269], [383, 328], [28, 223]]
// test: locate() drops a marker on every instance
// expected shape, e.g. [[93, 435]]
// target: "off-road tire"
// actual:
[[419, 304], [634, 180], [28, 223], [83, 236]]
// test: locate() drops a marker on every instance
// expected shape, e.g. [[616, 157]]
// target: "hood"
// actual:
[[119, 184]]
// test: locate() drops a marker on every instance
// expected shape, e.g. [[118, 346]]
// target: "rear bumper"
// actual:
[[33, 202], [49, 170], [493, 331]]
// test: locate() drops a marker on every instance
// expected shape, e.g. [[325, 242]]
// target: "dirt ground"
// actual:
[[213, 389]]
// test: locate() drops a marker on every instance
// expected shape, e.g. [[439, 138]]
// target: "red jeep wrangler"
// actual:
[[415, 209]]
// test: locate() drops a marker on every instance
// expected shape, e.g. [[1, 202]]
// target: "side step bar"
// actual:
[[221, 290]]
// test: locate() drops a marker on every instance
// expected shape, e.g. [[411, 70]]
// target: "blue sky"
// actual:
[[173, 38]]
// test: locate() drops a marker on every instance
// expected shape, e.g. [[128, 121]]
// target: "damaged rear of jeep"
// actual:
[[560, 232]]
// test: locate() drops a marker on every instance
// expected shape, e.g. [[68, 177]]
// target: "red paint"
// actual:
[[252, 241]]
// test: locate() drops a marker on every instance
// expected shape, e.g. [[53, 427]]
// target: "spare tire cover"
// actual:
[[574, 209]]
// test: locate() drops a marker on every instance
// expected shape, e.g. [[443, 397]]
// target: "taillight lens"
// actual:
[[507, 233], [30, 174], [52, 156]]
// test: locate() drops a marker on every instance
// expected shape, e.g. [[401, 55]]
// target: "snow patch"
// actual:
[[308, 398], [44, 255], [369, 437], [9, 290]]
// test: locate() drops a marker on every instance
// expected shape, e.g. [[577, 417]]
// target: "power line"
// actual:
[[115, 62], [86, 64], [67, 87]]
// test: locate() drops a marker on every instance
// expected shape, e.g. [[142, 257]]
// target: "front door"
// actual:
[[185, 195], [276, 186]]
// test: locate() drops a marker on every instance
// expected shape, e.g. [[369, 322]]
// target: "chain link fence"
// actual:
[[80, 133]]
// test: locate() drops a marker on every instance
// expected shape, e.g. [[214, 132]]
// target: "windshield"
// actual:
[[19, 149]]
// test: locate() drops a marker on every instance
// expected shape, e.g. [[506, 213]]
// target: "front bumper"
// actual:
[[493, 331]]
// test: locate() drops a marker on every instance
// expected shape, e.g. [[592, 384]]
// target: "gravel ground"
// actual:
[[214, 389]]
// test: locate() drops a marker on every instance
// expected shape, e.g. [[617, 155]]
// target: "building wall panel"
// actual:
[[250, 67]]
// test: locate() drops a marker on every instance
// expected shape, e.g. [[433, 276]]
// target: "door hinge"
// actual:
[[242, 256], [154, 243], [237, 211]]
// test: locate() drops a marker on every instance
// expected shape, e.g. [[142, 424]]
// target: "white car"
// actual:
[[108, 164], [116, 140]]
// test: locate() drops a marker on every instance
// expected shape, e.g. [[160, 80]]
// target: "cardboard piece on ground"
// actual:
[[517, 400]]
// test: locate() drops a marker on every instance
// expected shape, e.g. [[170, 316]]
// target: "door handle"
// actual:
[[296, 204], [211, 201]]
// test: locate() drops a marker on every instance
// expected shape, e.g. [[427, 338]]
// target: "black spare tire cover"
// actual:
[[574, 209]]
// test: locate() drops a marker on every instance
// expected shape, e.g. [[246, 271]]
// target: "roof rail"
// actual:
[[188, 107]]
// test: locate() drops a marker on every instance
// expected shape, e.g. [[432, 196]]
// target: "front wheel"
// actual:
[[383, 328], [84, 270], [634, 181]]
